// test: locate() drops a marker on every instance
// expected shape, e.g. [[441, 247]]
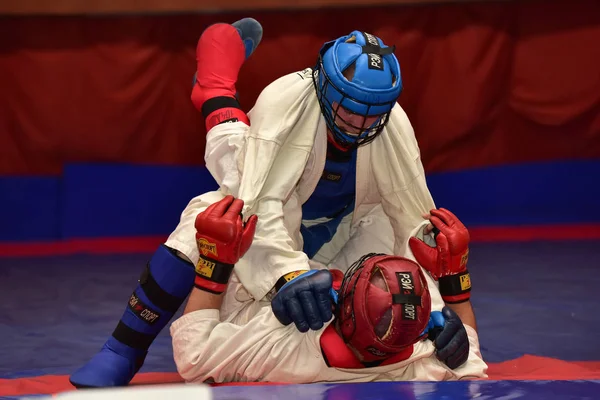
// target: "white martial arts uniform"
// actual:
[[275, 165], [252, 345], [206, 349]]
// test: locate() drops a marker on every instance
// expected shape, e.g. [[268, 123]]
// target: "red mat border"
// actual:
[[527, 367], [148, 244]]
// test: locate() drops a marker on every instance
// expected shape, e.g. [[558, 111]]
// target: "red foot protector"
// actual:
[[220, 54]]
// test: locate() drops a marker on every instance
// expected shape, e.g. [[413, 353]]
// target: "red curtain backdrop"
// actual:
[[485, 83], [95, 7]]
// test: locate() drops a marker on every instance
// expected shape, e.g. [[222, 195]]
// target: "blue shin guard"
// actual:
[[164, 285]]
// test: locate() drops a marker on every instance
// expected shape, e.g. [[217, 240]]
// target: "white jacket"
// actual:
[[275, 165], [204, 348]]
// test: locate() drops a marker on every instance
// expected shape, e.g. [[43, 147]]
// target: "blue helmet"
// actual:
[[372, 90]]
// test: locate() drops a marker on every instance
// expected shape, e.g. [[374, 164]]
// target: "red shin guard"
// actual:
[[220, 54]]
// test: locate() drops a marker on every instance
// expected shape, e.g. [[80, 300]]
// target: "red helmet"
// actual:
[[384, 305]]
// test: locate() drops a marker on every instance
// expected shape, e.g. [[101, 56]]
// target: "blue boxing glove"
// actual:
[[306, 300], [449, 337]]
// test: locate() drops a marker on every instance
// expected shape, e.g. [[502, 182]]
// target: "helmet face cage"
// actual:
[[347, 289], [330, 113], [323, 83], [364, 333]]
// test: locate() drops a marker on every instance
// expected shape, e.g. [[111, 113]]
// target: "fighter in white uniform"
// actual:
[[377, 333], [323, 152]]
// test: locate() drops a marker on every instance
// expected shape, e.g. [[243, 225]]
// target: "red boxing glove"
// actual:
[[222, 239], [447, 262]]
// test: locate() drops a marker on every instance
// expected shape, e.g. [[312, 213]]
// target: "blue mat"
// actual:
[[481, 390], [529, 298]]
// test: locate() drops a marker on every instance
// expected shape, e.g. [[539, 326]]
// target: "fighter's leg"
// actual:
[[221, 52], [166, 282], [222, 49], [163, 286], [372, 234]]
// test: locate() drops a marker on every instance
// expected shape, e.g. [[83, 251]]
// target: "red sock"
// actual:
[[220, 54]]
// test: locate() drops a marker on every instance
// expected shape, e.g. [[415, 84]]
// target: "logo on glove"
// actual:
[[293, 275], [205, 247], [465, 282], [205, 268], [464, 258]]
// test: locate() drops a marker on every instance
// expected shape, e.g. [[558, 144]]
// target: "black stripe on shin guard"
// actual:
[[157, 295], [133, 338], [216, 103]]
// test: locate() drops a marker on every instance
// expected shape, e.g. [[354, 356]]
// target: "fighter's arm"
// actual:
[[445, 258], [269, 167], [465, 313], [276, 249], [202, 300], [221, 239], [198, 336], [205, 348], [475, 366], [464, 310], [273, 163], [433, 369], [234, 155]]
